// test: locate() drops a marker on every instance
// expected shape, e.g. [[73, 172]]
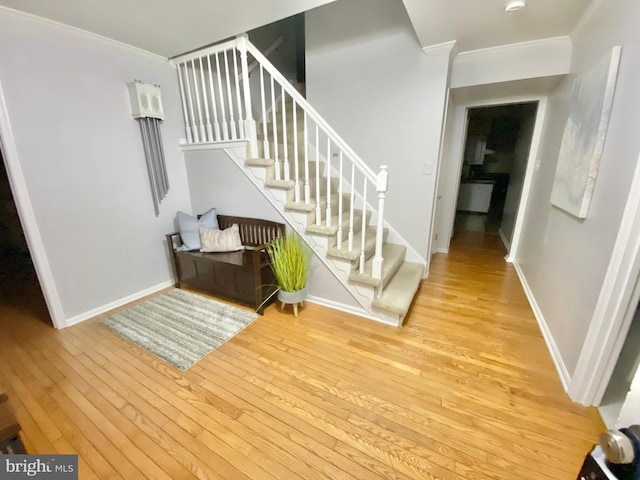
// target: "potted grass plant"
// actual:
[[289, 259]]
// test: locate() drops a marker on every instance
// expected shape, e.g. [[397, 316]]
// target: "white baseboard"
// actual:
[[563, 373], [503, 237], [342, 307], [118, 303]]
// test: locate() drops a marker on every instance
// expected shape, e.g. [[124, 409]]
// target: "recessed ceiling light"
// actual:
[[513, 6]]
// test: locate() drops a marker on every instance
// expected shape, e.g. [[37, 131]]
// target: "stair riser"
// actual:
[[314, 229], [370, 245], [290, 139], [291, 154], [311, 216], [394, 256], [299, 124], [271, 170], [312, 188]]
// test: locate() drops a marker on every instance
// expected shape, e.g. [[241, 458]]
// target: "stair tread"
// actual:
[[259, 162], [399, 293], [393, 255], [311, 206], [353, 255], [281, 184], [270, 162], [333, 229]]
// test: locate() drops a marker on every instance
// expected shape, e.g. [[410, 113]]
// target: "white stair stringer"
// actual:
[[364, 295]]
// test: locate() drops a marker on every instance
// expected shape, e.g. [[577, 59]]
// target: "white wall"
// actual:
[[216, 181], [368, 77], [505, 63], [564, 259], [81, 155]]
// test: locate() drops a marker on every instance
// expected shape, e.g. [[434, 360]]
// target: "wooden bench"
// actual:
[[10, 442], [244, 276]]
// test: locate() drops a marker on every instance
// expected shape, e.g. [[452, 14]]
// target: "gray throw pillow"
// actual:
[[189, 227]]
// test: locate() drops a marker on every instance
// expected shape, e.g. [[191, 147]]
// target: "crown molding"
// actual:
[[439, 48], [510, 47], [12, 14]]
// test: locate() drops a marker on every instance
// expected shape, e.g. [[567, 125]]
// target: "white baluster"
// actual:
[[250, 129], [225, 123], [328, 173], [206, 104], [265, 130], [192, 115], [216, 124], [351, 206], [318, 209], [364, 224], [339, 234], [201, 129], [232, 118], [274, 126], [307, 187], [382, 183], [185, 112], [296, 166], [285, 146], [236, 76]]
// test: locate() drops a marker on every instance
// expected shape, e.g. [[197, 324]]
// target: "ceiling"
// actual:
[[165, 27], [171, 27], [477, 24]]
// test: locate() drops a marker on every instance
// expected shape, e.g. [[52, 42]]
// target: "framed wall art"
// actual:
[[584, 135]]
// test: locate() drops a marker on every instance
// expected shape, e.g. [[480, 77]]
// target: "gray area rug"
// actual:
[[180, 327]]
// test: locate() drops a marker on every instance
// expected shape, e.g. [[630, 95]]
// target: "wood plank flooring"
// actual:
[[465, 390]]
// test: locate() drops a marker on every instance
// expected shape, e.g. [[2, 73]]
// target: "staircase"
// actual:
[[320, 186]]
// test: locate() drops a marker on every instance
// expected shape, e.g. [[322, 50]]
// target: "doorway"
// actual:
[[623, 373], [496, 150], [20, 291]]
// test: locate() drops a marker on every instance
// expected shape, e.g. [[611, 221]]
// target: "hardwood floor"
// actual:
[[465, 390]]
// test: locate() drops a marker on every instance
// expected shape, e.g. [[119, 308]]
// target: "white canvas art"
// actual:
[[584, 135]]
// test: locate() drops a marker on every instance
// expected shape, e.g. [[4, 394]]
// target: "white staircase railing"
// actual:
[[220, 102]]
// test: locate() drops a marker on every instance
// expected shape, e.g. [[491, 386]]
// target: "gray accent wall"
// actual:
[[563, 258], [80, 153], [369, 78]]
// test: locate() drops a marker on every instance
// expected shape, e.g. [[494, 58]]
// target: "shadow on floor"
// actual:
[[20, 292]]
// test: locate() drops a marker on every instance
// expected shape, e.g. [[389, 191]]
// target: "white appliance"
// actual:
[[475, 196]]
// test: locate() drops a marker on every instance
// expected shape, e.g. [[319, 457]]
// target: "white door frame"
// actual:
[[615, 308], [436, 211], [27, 217], [532, 162]]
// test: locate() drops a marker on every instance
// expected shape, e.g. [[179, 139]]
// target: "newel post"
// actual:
[[382, 181], [249, 122]]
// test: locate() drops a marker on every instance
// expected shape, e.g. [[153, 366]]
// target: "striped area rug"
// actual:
[[180, 327]]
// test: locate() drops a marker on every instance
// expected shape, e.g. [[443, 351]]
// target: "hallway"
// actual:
[[464, 390]]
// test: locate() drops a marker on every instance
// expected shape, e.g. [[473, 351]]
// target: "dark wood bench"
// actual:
[[10, 442], [244, 276]]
